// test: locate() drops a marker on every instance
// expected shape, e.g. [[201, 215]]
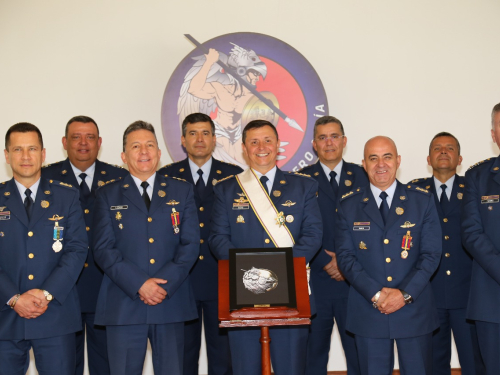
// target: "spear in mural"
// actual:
[[292, 123]]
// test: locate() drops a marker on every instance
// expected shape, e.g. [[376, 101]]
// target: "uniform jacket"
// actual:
[[132, 245], [306, 227], [481, 237], [352, 176], [89, 282], [451, 290], [369, 255], [27, 260], [203, 275]]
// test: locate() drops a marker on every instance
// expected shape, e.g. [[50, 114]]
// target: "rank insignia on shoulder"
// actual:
[[289, 203], [415, 180], [172, 202], [346, 195], [301, 174], [180, 179], [407, 224]]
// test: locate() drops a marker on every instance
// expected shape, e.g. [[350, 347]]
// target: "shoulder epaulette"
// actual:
[[225, 162], [180, 179], [302, 174], [112, 165], [418, 188], [3, 183], [173, 163], [356, 164], [301, 169], [351, 193], [478, 163], [57, 162], [224, 179]]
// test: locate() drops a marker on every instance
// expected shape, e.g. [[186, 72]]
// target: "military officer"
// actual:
[[335, 177], [451, 281], [274, 195], [202, 170], [146, 240], [83, 169], [388, 243], [481, 237], [43, 248]]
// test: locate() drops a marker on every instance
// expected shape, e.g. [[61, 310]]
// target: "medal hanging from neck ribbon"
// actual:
[[175, 221]]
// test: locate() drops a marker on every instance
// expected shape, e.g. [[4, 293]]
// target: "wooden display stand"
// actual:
[[265, 317]]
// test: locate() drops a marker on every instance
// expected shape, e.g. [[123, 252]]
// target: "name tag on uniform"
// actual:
[[241, 206], [489, 199], [361, 225], [5, 215], [125, 207]]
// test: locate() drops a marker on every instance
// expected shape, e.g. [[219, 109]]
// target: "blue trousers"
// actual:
[[219, 356], [320, 334], [465, 339], [97, 348], [376, 356], [288, 350], [127, 347], [488, 335], [54, 355]]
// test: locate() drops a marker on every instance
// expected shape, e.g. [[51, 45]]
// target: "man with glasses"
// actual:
[[336, 177], [146, 239], [82, 169]]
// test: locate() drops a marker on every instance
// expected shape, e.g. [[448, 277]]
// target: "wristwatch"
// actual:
[[406, 296], [47, 295]]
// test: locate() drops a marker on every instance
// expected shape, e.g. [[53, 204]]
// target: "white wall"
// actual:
[[406, 69]]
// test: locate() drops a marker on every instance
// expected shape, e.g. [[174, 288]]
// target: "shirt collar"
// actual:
[[89, 172], [151, 182], [205, 168], [337, 169], [390, 193], [271, 174], [22, 189], [449, 187]]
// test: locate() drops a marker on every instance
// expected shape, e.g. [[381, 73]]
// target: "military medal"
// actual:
[[58, 233], [406, 244], [289, 219], [175, 221], [280, 219]]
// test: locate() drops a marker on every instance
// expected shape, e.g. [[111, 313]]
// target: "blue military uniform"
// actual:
[[451, 284], [89, 282], [330, 295], [295, 195], [204, 277], [133, 244], [481, 237], [28, 261], [369, 254]]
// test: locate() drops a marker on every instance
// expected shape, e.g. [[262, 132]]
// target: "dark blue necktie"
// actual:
[[200, 184], [145, 195], [384, 206], [333, 182], [84, 188], [28, 203], [444, 198], [263, 181]]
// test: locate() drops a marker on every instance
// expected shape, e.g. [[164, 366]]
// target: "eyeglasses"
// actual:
[[333, 138]]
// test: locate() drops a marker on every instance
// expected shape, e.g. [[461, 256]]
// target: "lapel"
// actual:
[[345, 183], [159, 189], [44, 193], [436, 199], [324, 184], [14, 202], [397, 202], [216, 166], [494, 169], [130, 191], [184, 171], [454, 201], [280, 183], [99, 167], [67, 175], [371, 208]]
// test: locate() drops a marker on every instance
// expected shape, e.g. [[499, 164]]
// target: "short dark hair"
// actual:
[[327, 120], [444, 134], [84, 119], [256, 124], [193, 118], [137, 125], [495, 110], [22, 127]]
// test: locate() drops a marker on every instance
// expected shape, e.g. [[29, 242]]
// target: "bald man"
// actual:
[[388, 242]]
